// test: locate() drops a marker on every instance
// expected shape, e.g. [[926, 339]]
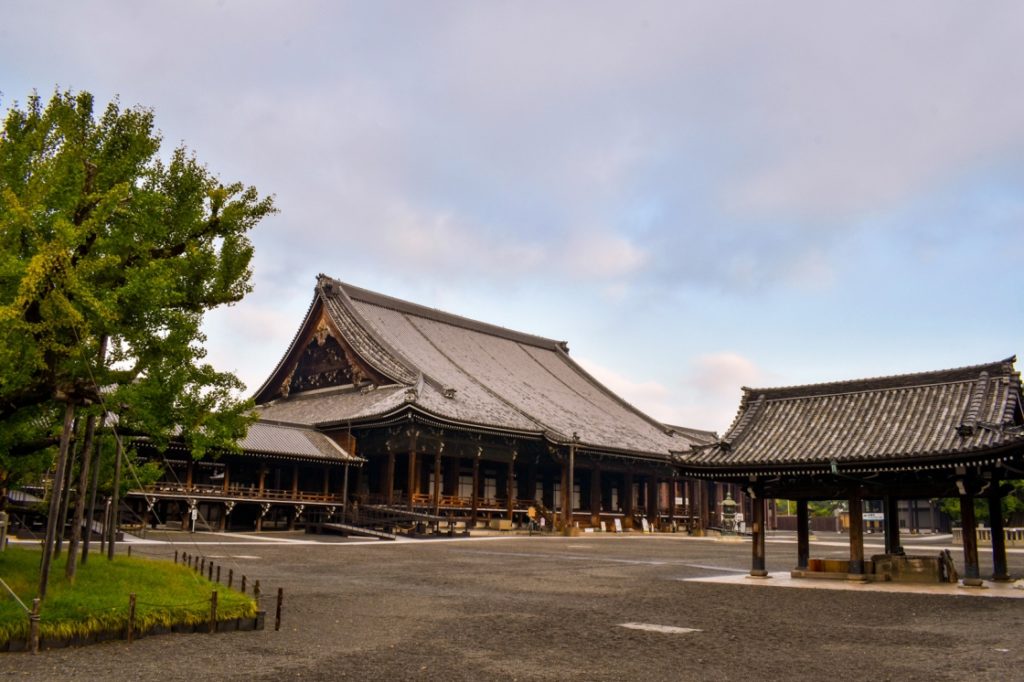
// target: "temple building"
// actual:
[[956, 433], [381, 408]]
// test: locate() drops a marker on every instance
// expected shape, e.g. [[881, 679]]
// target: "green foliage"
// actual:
[[166, 594], [1013, 505], [101, 239]]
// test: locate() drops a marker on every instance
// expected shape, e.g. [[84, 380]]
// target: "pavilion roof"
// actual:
[[460, 372], [293, 441], [928, 416]]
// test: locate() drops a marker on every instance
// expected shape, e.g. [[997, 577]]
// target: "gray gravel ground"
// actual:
[[551, 609]]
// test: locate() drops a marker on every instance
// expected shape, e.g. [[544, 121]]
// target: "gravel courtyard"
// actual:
[[552, 608]]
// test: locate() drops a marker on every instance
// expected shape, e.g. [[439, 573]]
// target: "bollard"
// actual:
[[256, 593], [33, 627], [218, 573], [131, 617], [243, 584], [213, 611], [277, 616], [231, 577]]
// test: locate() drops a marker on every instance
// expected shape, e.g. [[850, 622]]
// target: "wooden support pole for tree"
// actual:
[[116, 497], [65, 495], [78, 516], [803, 545], [52, 520], [94, 485]]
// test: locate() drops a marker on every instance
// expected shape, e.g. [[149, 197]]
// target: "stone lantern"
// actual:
[[728, 514]]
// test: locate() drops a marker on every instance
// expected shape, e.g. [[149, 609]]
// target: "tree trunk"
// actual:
[[79, 515], [65, 495], [51, 521]]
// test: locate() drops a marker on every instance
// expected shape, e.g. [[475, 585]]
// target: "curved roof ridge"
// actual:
[[333, 292], [942, 376], [288, 349], [408, 308]]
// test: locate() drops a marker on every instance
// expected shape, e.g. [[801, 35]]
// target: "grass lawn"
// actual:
[[166, 594]]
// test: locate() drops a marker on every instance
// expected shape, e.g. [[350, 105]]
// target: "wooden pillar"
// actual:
[[969, 526], [263, 478], [803, 535], [344, 492], [627, 498], [510, 486], [227, 476], [388, 484], [595, 496], [892, 525], [327, 481], [995, 515], [188, 473], [856, 534], [475, 500], [757, 528], [652, 500], [412, 478], [672, 501], [295, 481], [567, 495], [436, 495]]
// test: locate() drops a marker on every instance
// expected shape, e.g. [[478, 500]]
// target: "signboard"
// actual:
[[618, 525], [532, 512], [874, 516], [645, 524]]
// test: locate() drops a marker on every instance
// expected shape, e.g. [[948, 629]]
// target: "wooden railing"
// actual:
[[233, 492]]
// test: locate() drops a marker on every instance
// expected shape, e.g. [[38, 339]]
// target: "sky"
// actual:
[[697, 196]]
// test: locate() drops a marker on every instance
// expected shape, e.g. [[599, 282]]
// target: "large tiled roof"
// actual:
[[471, 373], [293, 441], [929, 415]]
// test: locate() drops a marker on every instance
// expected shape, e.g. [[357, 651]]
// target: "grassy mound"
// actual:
[[167, 594]]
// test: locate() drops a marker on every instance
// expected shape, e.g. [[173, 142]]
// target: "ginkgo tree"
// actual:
[[110, 254]]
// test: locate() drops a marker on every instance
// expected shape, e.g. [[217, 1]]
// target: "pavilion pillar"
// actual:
[[595, 496], [567, 489], [263, 478], [344, 492], [295, 481], [437, 480], [856, 535], [995, 515], [803, 535], [510, 486], [969, 526], [412, 478], [474, 502], [652, 500], [227, 476], [388, 484], [188, 473], [672, 502], [892, 525], [327, 481], [627, 498], [757, 528]]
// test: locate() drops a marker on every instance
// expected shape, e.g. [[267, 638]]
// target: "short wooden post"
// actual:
[[256, 593], [243, 583], [129, 550], [175, 556], [202, 566], [277, 616], [218, 573], [131, 617], [231, 577], [213, 611], [209, 571], [33, 627]]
